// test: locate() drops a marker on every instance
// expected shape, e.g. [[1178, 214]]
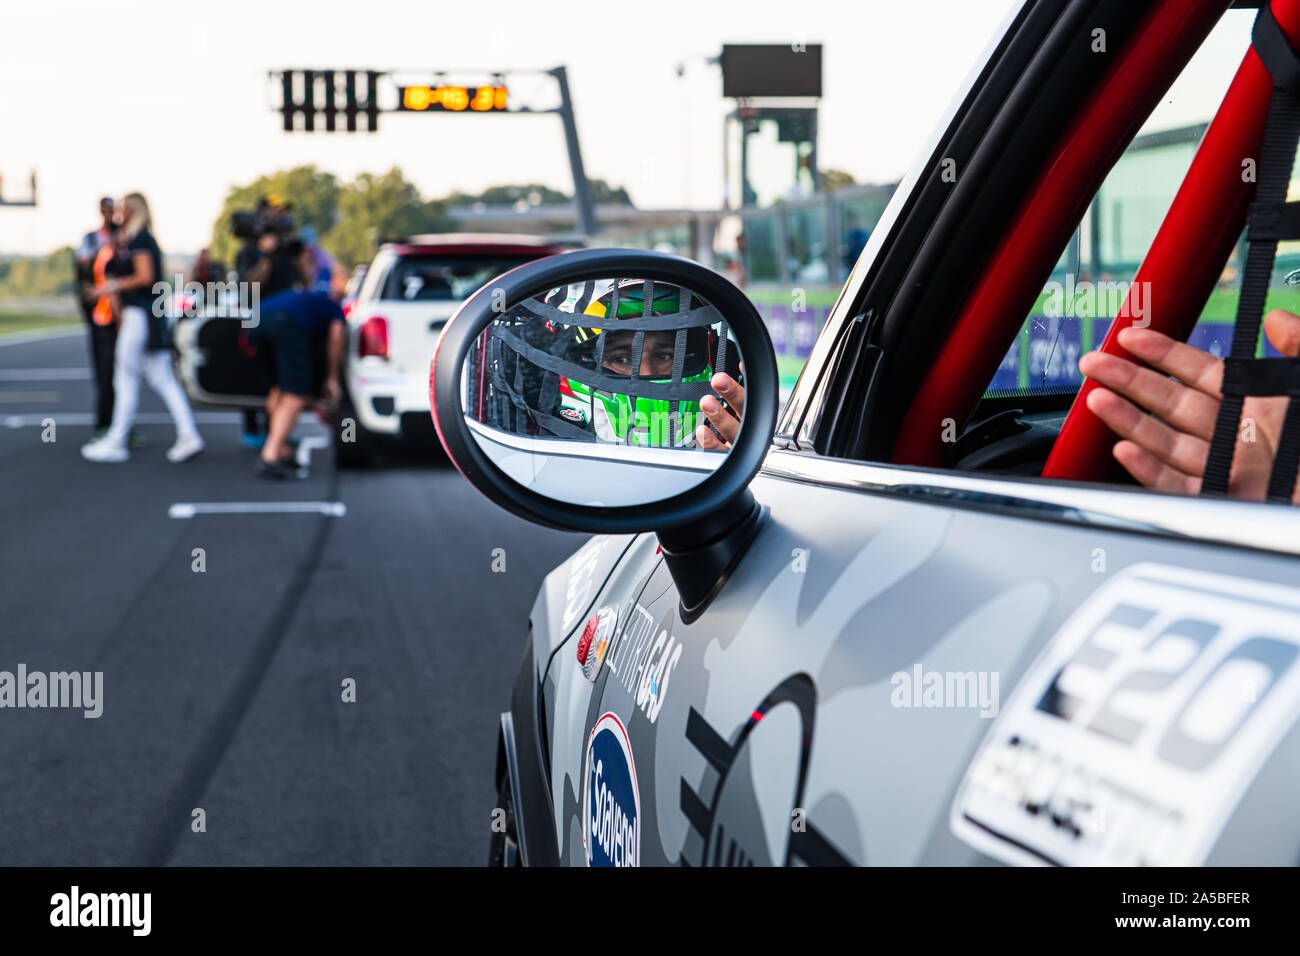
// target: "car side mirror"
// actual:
[[580, 392]]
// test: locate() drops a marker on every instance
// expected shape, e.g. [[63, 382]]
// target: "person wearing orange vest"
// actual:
[[92, 254], [104, 311]]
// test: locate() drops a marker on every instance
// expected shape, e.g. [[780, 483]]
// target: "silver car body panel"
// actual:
[[848, 605]]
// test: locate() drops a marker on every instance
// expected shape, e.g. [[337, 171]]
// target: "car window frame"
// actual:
[[376, 276], [926, 215], [800, 452]]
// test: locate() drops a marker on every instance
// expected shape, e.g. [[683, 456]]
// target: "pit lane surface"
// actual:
[[222, 689]]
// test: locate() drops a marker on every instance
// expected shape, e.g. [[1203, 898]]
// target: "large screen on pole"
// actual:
[[776, 69]]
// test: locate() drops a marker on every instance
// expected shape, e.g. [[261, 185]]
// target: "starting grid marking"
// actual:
[[38, 335], [44, 374], [188, 509], [306, 446], [85, 418]]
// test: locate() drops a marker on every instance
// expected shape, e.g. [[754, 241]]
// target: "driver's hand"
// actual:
[[725, 420], [1166, 423]]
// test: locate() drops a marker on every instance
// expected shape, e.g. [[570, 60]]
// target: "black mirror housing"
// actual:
[[716, 495]]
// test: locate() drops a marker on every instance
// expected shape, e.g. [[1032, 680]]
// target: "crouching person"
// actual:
[[301, 337]]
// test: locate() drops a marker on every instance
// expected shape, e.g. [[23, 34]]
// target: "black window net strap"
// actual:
[[1277, 155], [722, 349], [1281, 483], [679, 364], [588, 293], [524, 412], [1275, 51], [703, 315], [1261, 376], [1274, 222], [613, 310], [638, 337], [618, 384]]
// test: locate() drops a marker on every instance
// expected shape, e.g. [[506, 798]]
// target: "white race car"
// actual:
[[410, 290]]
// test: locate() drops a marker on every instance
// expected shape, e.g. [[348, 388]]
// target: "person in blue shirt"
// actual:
[[300, 337]]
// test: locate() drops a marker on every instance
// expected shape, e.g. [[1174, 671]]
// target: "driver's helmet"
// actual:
[[669, 356]]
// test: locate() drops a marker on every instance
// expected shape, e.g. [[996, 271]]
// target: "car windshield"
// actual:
[[446, 278]]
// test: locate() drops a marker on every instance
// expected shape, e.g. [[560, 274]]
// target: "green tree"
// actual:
[[535, 194], [603, 192], [374, 207], [835, 179], [313, 193], [38, 277]]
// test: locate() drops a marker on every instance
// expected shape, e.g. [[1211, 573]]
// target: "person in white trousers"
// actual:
[[139, 346]]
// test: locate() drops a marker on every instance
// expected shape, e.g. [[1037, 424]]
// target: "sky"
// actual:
[[171, 97]]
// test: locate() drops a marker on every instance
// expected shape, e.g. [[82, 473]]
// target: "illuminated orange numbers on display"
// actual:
[[455, 98], [416, 98]]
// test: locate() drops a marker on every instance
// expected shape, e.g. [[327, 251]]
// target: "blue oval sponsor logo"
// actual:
[[611, 803]]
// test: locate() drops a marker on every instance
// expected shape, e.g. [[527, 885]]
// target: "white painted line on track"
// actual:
[[38, 335], [44, 374], [305, 447], [45, 396], [188, 509], [85, 418]]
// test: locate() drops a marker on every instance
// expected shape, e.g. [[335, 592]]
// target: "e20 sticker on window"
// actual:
[[1132, 737]]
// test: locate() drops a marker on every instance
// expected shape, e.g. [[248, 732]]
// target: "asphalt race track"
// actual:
[[222, 689]]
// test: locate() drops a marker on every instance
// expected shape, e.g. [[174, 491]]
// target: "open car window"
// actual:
[[1077, 305], [1075, 308]]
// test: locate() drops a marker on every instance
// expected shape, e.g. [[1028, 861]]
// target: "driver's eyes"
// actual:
[[621, 361]]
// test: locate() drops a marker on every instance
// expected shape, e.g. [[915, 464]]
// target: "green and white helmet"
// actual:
[[648, 372]]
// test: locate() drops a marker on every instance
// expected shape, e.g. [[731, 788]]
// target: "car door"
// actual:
[[216, 359], [920, 666]]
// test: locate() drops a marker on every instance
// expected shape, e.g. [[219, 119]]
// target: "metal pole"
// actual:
[[726, 161], [812, 154], [582, 200], [747, 195]]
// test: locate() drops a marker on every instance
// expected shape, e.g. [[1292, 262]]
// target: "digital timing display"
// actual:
[[481, 99]]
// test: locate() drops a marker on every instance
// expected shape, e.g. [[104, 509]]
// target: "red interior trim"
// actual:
[[1185, 260], [1005, 293]]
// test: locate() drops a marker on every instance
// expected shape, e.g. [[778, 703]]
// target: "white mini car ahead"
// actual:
[[410, 290]]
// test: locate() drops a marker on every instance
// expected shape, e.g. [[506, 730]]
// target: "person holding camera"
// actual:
[[269, 259], [268, 256]]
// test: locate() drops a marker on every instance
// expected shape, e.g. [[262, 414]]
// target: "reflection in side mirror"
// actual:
[[601, 393]]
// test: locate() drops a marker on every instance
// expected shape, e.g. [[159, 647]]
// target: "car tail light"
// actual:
[[373, 337]]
